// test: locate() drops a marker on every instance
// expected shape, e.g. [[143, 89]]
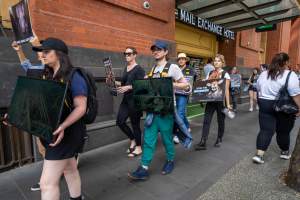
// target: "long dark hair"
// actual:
[[277, 65], [253, 74], [64, 70]]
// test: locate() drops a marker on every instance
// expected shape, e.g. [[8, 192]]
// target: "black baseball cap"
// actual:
[[52, 44]]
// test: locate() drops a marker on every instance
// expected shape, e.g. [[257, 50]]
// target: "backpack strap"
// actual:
[[223, 74], [150, 74], [210, 73], [166, 68], [186, 71], [163, 73], [69, 100], [287, 79]]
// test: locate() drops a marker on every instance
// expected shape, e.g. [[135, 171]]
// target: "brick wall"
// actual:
[[294, 48], [248, 47], [244, 51], [228, 49], [105, 24], [285, 36], [278, 41]]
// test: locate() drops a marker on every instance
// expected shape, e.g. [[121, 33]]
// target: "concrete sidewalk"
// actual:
[[104, 171]]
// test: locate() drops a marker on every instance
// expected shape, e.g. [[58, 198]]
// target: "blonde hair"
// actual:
[[222, 58]]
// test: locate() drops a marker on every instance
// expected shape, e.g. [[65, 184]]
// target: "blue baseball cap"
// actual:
[[160, 44]]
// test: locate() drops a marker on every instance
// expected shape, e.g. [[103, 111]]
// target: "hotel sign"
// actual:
[[189, 18]]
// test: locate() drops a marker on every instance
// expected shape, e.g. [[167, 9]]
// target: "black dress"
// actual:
[[73, 140]]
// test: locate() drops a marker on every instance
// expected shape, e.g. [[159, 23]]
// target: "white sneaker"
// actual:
[[258, 159], [285, 155], [176, 140], [257, 107], [250, 109]]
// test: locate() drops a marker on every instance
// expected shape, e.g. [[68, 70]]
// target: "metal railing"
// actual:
[[16, 148]]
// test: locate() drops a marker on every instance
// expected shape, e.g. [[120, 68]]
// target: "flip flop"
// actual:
[[134, 154]]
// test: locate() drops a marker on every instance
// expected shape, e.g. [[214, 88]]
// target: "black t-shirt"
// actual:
[[128, 77]]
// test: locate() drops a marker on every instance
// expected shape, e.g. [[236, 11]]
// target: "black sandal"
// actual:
[[130, 150]]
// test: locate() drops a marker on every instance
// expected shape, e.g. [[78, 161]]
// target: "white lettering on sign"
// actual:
[[198, 22]]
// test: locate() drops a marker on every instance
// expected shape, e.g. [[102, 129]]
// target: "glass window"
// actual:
[[290, 13], [251, 3], [247, 24], [196, 4], [220, 11], [282, 6], [235, 18]]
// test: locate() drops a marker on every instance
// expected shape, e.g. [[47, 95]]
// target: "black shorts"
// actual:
[[71, 144], [252, 88]]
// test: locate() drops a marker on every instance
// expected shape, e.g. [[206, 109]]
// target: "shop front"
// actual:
[[198, 38], [198, 45]]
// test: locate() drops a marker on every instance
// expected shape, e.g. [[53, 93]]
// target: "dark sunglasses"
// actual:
[[128, 54]]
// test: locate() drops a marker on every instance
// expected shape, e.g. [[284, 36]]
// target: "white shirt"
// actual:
[[174, 71], [269, 89]]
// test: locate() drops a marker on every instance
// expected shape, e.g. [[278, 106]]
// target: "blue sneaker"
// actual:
[[140, 174], [168, 167]]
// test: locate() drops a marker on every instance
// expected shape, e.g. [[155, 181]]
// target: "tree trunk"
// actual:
[[293, 174]]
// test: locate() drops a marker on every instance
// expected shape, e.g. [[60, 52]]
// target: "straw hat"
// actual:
[[183, 55]]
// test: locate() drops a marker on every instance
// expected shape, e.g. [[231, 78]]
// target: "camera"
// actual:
[[146, 4]]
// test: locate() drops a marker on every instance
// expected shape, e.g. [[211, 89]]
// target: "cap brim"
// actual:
[[153, 46], [39, 48], [158, 47]]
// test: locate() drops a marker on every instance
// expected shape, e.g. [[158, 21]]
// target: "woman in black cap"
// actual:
[[59, 157]]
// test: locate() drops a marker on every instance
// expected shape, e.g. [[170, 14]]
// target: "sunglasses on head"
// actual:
[[128, 53]]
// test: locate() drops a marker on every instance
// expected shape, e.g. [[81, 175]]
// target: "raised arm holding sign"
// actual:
[[110, 78], [20, 19]]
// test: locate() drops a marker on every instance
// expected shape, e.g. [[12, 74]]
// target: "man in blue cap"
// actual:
[[160, 123]]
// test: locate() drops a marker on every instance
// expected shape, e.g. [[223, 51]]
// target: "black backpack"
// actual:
[[284, 102], [92, 103]]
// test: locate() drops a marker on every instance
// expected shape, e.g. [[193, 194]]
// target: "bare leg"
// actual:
[[255, 99], [52, 172], [72, 177], [251, 100]]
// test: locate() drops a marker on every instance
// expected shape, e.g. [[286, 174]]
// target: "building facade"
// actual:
[[95, 29]]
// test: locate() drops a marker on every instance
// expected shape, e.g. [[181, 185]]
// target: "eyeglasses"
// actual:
[[128, 53]]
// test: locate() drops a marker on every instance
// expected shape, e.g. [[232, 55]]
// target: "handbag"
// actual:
[[284, 102]]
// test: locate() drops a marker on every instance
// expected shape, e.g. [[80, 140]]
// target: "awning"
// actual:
[[239, 15]]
